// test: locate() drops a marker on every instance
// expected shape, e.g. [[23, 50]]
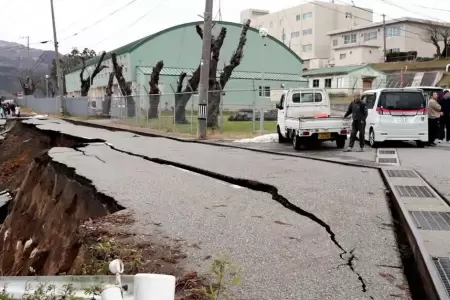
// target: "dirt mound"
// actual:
[[58, 223]]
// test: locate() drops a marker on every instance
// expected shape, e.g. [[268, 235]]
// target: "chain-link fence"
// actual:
[[251, 113]]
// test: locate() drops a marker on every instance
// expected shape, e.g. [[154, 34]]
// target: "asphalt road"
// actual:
[[284, 255]]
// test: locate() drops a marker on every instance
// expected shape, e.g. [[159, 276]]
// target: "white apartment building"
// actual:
[[304, 27], [364, 43]]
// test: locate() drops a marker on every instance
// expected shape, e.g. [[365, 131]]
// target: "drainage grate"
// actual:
[[431, 220], [442, 265], [385, 160], [386, 151], [417, 191], [401, 173]]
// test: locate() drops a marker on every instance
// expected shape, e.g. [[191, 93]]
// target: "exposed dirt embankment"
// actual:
[[59, 224]]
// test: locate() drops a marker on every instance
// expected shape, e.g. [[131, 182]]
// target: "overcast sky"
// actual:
[[75, 19]]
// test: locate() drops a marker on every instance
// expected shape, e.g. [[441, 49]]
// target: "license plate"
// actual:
[[324, 135], [403, 119]]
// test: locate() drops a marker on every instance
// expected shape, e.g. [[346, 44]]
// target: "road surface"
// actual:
[[292, 224]]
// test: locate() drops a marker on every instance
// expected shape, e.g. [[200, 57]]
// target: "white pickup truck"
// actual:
[[304, 117]]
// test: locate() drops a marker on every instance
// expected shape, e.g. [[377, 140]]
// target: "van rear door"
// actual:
[[401, 109]]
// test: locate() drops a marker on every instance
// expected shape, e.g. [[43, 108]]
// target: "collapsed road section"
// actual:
[[299, 229]]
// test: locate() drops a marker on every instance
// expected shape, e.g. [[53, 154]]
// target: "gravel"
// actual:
[[284, 255]]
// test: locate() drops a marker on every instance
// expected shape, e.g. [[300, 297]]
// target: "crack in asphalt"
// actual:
[[77, 148], [260, 187]]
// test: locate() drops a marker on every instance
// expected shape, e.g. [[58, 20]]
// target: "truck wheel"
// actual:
[[281, 138], [340, 142], [296, 142]]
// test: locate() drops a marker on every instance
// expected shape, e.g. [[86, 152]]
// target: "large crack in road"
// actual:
[[347, 256]]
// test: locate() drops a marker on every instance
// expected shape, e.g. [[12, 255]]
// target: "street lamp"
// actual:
[[47, 77], [263, 32]]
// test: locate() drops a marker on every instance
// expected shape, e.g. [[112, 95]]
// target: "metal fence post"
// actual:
[[254, 108], [261, 120], [221, 110], [192, 114], [174, 120]]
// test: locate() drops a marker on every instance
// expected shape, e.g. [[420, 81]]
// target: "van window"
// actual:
[[402, 100], [369, 99], [307, 97]]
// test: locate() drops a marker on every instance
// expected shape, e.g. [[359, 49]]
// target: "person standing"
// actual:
[[434, 113], [358, 110], [444, 121]]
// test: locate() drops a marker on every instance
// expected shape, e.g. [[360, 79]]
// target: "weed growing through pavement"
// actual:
[[224, 275], [43, 291]]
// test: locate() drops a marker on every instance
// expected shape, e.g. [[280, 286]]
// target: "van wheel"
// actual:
[[296, 142], [281, 138], [340, 142], [420, 144], [372, 141]]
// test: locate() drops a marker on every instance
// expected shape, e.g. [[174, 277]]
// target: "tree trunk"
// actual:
[[154, 93], [108, 97], [181, 99], [154, 106], [213, 108], [125, 88], [87, 82]]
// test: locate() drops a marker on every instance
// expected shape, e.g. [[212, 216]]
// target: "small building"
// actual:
[[354, 45], [344, 80], [267, 64]]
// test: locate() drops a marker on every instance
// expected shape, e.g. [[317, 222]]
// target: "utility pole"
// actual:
[[204, 71], [58, 66], [384, 37], [28, 46]]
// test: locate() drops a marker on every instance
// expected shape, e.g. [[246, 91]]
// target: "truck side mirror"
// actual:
[[278, 106]]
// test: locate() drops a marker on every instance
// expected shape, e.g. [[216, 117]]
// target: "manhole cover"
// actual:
[[386, 160], [431, 220], [443, 267], [386, 151], [416, 191], [401, 173]]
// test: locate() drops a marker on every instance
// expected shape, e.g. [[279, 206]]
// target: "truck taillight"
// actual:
[[382, 111], [344, 132], [305, 133], [422, 111]]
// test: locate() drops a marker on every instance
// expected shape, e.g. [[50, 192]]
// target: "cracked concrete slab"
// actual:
[[350, 200]]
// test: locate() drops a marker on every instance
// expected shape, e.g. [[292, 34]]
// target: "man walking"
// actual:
[[444, 121], [434, 113], [358, 110]]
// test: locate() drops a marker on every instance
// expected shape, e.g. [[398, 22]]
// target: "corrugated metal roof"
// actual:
[[133, 45], [333, 70], [236, 74]]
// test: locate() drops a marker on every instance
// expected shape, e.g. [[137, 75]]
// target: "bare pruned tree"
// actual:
[[193, 82], [436, 34], [28, 85], [124, 86], [87, 82], [154, 94], [108, 95]]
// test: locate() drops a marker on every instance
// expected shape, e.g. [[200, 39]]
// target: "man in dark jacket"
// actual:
[[358, 110], [444, 121]]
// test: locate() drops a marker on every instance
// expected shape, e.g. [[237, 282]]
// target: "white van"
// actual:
[[396, 115]]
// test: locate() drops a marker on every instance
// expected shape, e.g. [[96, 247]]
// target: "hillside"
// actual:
[[14, 62]]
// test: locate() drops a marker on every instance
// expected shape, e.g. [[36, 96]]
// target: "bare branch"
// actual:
[[237, 56], [98, 68], [154, 77], [180, 82], [199, 31]]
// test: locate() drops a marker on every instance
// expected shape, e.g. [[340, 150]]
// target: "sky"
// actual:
[[109, 24]]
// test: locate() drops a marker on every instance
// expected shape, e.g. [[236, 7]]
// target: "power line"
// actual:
[[101, 20], [83, 19], [134, 22], [410, 11]]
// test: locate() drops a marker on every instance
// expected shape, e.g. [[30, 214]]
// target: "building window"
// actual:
[[298, 17], [327, 82], [335, 42], [343, 56], [307, 48], [307, 16], [368, 36], [316, 83], [295, 34], [394, 31], [264, 91], [350, 38], [340, 82], [307, 31], [394, 50]]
